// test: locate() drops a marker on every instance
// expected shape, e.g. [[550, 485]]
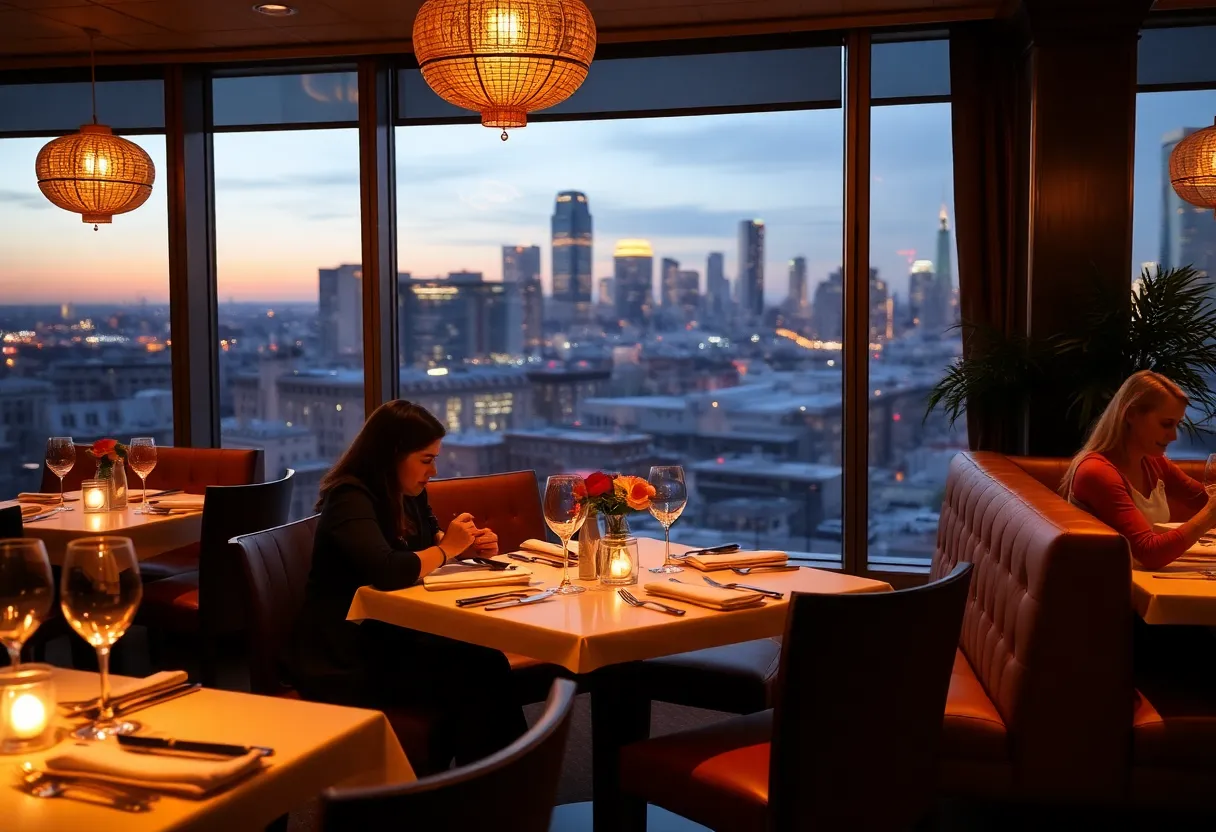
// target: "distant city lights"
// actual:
[[437, 371]]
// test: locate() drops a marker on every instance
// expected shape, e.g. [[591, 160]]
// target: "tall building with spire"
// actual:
[[936, 313], [571, 226]]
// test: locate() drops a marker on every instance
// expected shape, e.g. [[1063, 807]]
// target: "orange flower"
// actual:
[[635, 491]]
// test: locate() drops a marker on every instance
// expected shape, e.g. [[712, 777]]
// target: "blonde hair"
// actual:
[[1143, 391]]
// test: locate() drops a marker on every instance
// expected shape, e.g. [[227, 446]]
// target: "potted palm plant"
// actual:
[[1171, 329]]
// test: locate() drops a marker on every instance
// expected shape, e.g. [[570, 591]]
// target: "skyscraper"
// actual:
[[797, 292], [605, 296], [521, 267], [669, 288], [688, 293], [751, 268], [571, 259], [1188, 234], [717, 287], [456, 319], [633, 283], [340, 312], [882, 310], [827, 310], [935, 311], [920, 284]]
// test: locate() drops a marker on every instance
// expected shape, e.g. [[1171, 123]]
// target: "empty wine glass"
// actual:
[[667, 504], [99, 592], [61, 458], [1209, 474], [141, 456], [565, 511], [25, 592]]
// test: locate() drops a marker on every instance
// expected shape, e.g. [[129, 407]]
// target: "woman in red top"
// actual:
[[1123, 478]]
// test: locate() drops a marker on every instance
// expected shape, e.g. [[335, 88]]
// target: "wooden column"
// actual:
[[1082, 65]]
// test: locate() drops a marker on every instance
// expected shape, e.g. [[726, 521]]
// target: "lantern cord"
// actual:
[[92, 74]]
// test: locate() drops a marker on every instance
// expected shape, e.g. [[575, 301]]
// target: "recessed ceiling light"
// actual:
[[274, 9]]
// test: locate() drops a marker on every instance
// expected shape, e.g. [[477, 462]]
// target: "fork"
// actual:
[[633, 601], [768, 593], [747, 570], [1196, 575]]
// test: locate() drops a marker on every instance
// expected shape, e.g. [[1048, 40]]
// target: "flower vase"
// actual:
[[616, 526], [588, 543], [116, 476]]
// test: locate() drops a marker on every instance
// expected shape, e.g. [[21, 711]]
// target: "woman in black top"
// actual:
[[377, 529]]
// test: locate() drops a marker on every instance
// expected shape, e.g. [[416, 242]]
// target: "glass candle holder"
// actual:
[[95, 495], [27, 708], [618, 560]]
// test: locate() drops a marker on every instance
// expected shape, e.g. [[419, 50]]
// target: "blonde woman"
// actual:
[[1123, 478]]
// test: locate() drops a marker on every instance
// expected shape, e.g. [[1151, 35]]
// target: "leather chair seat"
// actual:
[[1173, 727], [716, 775], [169, 564], [736, 678], [973, 728], [171, 603]]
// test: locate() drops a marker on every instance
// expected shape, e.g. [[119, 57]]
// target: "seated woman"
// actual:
[[377, 529], [1123, 478]]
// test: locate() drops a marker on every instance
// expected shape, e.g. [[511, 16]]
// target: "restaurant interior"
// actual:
[[750, 344]]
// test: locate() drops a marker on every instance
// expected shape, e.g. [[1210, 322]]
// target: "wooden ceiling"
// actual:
[[41, 31]]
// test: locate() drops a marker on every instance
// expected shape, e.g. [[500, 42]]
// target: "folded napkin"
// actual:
[[185, 502], [38, 497], [31, 510], [121, 688], [542, 547], [730, 560], [459, 576], [185, 776], [706, 596]]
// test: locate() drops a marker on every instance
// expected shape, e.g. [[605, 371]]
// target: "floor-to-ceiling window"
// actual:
[[289, 281], [84, 313]]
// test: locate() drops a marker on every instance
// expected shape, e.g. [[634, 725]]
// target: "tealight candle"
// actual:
[[27, 704], [619, 556], [95, 494], [619, 568]]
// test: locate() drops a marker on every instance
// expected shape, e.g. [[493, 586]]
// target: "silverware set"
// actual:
[[543, 559], [124, 798], [480, 600], [633, 601], [1197, 575], [768, 593], [724, 549], [132, 702]]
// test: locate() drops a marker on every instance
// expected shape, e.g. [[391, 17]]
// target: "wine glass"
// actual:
[[667, 504], [565, 511], [141, 456], [61, 458], [1209, 474], [25, 592], [99, 593]]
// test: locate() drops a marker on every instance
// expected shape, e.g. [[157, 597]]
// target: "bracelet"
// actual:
[[442, 551]]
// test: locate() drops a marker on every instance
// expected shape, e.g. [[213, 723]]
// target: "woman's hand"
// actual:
[[486, 543], [460, 536], [1208, 512]]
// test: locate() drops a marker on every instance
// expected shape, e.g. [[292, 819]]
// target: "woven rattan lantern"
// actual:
[[95, 173], [504, 58], [1193, 168]]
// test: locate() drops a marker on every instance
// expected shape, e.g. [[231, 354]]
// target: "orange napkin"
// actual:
[[31, 510], [186, 776], [542, 547], [38, 497], [706, 596], [731, 560], [459, 576], [183, 502]]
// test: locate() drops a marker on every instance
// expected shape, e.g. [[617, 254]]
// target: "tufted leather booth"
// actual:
[[274, 567], [510, 505], [856, 715]]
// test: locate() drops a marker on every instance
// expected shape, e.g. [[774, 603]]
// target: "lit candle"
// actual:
[[27, 716], [619, 567], [94, 498]]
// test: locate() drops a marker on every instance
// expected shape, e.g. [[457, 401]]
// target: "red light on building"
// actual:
[[895, 417], [721, 460]]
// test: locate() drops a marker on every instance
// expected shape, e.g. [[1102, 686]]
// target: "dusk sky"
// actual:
[[287, 202]]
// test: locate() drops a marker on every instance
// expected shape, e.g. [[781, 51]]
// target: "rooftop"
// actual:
[[587, 437], [757, 466]]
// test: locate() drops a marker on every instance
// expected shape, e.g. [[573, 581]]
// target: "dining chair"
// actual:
[[514, 788], [858, 705], [208, 603], [274, 574], [510, 505]]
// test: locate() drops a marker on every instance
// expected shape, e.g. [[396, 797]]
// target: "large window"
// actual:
[[84, 314], [289, 280], [616, 293], [913, 299]]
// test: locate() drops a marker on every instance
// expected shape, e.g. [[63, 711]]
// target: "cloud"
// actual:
[[324, 179], [23, 199], [694, 221]]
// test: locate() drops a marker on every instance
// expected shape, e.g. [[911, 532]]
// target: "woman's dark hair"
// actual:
[[395, 430]]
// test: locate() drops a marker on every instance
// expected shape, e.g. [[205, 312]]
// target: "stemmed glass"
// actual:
[[667, 504], [25, 592], [565, 511], [1209, 474], [61, 458], [99, 593], [141, 456]]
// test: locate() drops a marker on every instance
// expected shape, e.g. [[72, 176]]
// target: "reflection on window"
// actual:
[[290, 299], [618, 294], [84, 320], [913, 314]]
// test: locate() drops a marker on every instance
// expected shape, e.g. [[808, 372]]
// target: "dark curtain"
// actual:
[[990, 132]]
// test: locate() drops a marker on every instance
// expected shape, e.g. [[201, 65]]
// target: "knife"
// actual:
[[485, 563], [725, 548], [535, 559], [193, 746], [42, 516], [516, 602], [495, 596]]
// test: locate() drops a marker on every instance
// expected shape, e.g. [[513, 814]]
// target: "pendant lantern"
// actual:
[[1193, 168]]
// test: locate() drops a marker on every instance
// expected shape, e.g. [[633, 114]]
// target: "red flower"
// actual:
[[598, 484], [580, 491], [104, 448]]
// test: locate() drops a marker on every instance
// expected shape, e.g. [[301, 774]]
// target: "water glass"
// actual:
[[25, 592], [565, 511], [667, 504], [60, 459], [141, 456]]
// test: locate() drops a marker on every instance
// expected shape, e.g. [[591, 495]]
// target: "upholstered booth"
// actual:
[[1043, 704]]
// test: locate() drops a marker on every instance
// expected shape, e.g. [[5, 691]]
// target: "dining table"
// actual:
[[152, 534], [315, 746], [1183, 593], [601, 639]]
